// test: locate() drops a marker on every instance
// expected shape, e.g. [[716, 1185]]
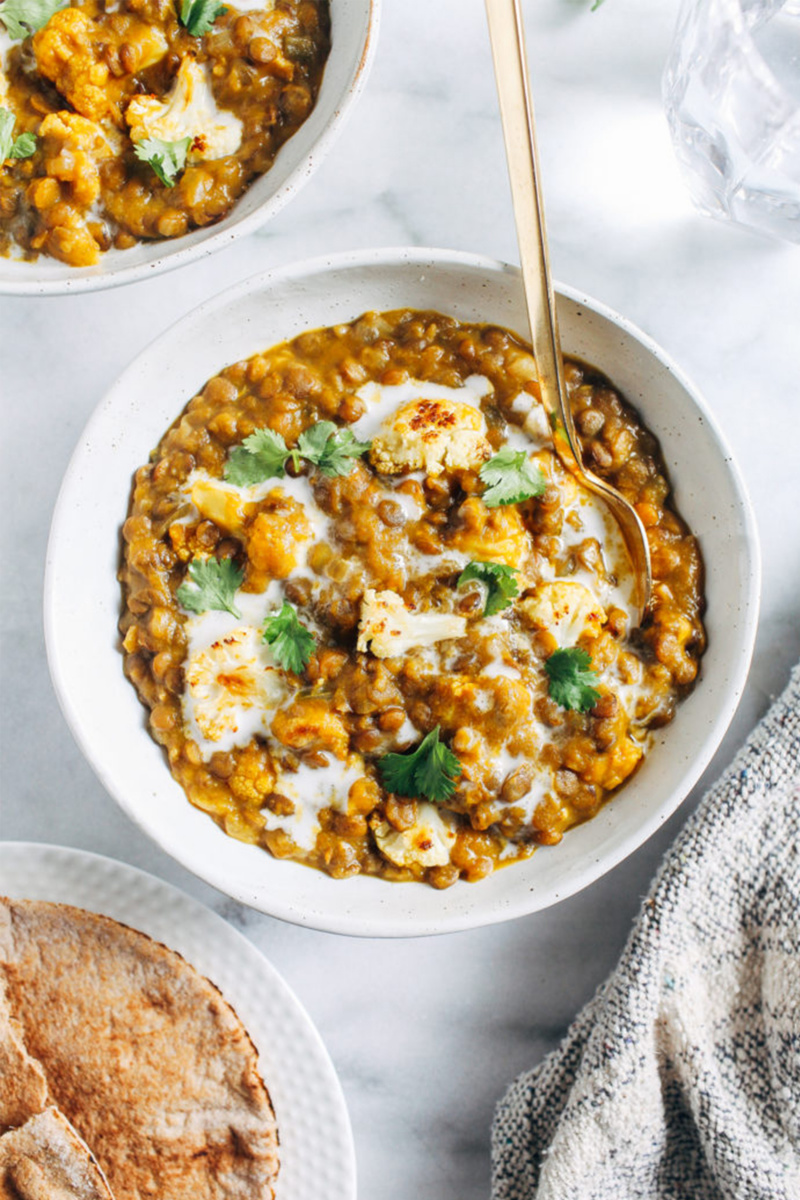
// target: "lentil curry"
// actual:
[[378, 627], [133, 119]]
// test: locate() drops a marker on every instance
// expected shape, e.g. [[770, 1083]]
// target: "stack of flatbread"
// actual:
[[124, 1074]]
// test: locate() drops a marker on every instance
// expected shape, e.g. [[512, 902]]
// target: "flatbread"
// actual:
[[23, 1087], [142, 1054], [46, 1160]]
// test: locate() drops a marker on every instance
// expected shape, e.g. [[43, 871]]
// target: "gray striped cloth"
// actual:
[[680, 1080]]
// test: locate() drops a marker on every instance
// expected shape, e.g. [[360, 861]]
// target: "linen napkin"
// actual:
[[680, 1080]]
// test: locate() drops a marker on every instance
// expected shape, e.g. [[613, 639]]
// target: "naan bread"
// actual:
[[46, 1160], [143, 1055]]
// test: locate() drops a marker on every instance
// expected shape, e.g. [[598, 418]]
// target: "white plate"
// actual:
[[316, 1143], [82, 596], [354, 35]]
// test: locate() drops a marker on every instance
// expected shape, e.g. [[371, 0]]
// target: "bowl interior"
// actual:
[[353, 38], [82, 600]]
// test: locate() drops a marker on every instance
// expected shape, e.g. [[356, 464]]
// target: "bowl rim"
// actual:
[[231, 228], [367, 924]]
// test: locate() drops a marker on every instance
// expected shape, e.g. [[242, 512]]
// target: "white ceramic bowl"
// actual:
[[82, 596], [354, 33]]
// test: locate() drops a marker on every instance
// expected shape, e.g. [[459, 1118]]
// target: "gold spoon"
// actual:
[[519, 131]]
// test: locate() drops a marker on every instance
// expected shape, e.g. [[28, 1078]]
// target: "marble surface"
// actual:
[[425, 1034]]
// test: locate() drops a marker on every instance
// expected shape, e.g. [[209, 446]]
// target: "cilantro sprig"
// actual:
[[166, 158], [212, 583], [510, 478], [11, 147], [23, 17], [292, 644], [330, 448], [264, 454], [571, 679], [199, 15], [431, 770], [499, 580]]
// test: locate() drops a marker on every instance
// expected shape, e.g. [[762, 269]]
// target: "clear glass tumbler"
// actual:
[[732, 97]]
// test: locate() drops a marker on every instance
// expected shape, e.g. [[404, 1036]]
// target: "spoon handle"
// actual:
[[516, 111], [507, 36]]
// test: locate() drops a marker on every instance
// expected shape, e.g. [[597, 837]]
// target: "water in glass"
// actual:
[[732, 97]]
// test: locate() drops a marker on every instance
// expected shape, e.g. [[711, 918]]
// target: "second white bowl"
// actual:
[[354, 33]]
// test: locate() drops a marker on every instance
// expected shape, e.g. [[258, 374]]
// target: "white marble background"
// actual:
[[425, 1034]]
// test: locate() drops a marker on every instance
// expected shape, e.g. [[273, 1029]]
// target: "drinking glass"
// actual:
[[732, 97]]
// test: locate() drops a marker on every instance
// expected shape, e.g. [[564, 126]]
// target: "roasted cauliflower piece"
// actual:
[[275, 527], [567, 610], [431, 436], [69, 241], [232, 689], [189, 110], [388, 629], [493, 706], [73, 52], [73, 148], [309, 724], [426, 844]]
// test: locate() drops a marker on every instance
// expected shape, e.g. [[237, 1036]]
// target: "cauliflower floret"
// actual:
[[389, 629], [426, 844], [232, 689], [566, 610], [431, 435], [274, 526], [189, 110], [73, 147], [72, 52], [310, 724]]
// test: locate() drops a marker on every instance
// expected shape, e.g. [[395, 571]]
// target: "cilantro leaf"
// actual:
[[11, 147], [166, 158], [262, 455], [292, 644], [199, 15], [23, 17], [24, 146], [330, 448], [430, 770], [571, 679], [510, 477], [501, 586], [213, 585]]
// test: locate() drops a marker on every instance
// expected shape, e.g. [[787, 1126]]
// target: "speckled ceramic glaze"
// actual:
[[316, 1146], [82, 601], [354, 32]]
